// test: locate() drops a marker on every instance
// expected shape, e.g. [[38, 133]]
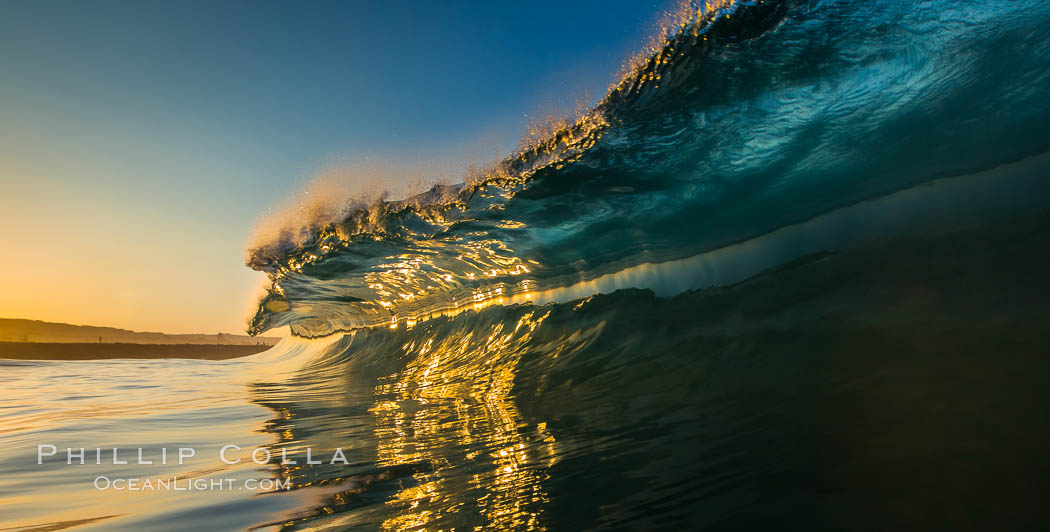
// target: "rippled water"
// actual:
[[789, 273], [839, 391], [126, 404]]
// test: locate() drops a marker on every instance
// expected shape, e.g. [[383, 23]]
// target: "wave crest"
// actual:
[[740, 118]]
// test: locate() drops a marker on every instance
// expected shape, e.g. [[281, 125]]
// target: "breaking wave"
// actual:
[[742, 119], [791, 269]]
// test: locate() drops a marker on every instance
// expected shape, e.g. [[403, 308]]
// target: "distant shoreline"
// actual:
[[35, 331], [101, 351]]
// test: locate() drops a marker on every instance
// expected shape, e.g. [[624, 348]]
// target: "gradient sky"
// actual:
[[141, 142]]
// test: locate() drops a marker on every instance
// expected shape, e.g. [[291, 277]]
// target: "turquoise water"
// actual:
[[789, 273]]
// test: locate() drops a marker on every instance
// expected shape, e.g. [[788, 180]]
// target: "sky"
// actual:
[[142, 143]]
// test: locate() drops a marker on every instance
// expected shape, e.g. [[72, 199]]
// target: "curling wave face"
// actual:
[[742, 119]]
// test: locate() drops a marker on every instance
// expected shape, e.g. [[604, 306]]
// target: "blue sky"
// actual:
[[141, 142]]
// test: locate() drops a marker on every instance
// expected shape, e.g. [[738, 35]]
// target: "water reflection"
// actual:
[[452, 407], [431, 432], [804, 395], [129, 404]]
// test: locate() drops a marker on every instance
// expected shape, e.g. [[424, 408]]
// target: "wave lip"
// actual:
[[743, 118]]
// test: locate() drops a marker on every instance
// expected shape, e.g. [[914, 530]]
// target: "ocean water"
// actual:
[[789, 273]]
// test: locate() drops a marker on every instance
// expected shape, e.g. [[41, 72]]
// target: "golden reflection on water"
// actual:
[[452, 407], [153, 406]]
